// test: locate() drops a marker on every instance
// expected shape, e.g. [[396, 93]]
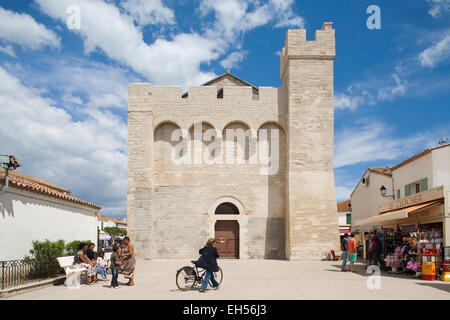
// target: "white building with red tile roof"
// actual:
[[103, 222], [344, 217], [34, 209], [366, 197], [417, 195]]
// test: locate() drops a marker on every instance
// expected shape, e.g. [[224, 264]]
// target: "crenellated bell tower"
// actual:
[[307, 75]]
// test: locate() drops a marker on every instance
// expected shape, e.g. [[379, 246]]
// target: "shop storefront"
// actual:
[[410, 231]]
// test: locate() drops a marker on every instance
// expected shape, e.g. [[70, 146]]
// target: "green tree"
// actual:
[[115, 232], [73, 247]]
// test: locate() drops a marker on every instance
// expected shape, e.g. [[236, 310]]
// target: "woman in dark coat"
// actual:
[[208, 261]]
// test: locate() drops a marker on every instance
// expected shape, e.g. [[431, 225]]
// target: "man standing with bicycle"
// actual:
[[208, 261]]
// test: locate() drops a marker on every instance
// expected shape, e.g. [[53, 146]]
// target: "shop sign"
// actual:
[[425, 214], [418, 198]]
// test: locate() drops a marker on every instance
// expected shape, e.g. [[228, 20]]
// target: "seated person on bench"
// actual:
[[82, 261]]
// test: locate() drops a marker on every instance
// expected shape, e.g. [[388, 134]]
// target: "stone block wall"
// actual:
[[291, 214], [307, 73]]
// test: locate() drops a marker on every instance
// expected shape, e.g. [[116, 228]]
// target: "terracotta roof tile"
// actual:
[[343, 206], [383, 170], [33, 184], [419, 155], [111, 219]]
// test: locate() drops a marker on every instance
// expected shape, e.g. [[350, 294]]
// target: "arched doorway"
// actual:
[[227, 231], [227, 238], [226, 208]]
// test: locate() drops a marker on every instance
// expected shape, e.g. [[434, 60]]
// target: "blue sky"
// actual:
[[63, 96]]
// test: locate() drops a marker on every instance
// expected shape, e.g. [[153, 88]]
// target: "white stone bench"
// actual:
[[73, 274]]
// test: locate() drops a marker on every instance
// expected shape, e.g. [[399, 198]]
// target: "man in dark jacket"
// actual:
[[208, 261]]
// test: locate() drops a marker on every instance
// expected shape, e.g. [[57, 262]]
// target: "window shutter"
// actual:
[[407, 190], [349, 218], [424, 184]]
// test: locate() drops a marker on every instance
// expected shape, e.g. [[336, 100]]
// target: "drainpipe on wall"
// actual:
[[393, 186], [6, 178], [98, 239], [5, 187]]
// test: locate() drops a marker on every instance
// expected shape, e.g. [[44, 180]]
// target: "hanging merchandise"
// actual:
[[394, 260]]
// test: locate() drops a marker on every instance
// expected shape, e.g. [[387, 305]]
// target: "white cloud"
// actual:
[[105, 28], [286, 16], [367, 142], [103, 85], [70, 99], [88, 157], [388, 93], [371, 92], [22, 29], [233, 59], [8, 50], [235, 17], [438, 7], [436, 53], [79, 82], [169, 61], [343, 193], [146, 12], [343, 101], [370, 140]]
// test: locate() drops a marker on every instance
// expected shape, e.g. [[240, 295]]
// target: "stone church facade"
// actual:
[[291, 214]]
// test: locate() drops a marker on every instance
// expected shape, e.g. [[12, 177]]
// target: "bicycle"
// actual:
[[187, 277]]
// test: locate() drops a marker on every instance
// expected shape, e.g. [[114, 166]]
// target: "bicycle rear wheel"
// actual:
[[186, 278], [218, 276]]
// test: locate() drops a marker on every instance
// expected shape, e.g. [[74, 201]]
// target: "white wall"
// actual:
[[414, 172], [441, 167], [27, 216], [342, 218], [109, 223], [367, 198], [106, 223]]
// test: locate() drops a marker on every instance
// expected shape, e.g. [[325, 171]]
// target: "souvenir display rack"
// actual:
[[402, 251]]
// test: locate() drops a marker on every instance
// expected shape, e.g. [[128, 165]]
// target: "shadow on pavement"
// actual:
[[441, 286], [360, 269], [192, 289]]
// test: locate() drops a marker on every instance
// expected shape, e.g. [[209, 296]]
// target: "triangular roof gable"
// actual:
[[385, 171], [227, 79], [228, 76]]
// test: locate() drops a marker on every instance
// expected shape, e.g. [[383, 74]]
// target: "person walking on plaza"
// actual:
[[115, 263], [352, 251], [208, 261], [344, 248], [129, 260]]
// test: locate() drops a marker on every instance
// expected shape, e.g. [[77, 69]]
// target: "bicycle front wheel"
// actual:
[[186, 278], [218, 276]]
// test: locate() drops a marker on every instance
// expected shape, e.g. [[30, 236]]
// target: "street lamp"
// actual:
[[8, 163], [383, 193]]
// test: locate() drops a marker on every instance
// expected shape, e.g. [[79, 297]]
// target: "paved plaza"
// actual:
[[256, 279]]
